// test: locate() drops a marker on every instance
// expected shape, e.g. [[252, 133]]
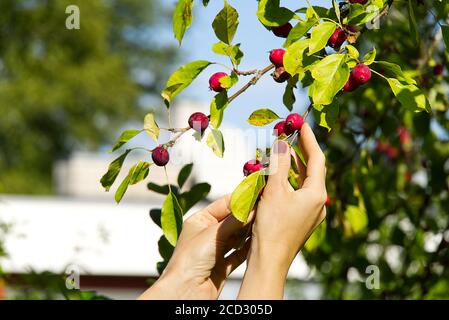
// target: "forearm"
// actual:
[[265, 274]]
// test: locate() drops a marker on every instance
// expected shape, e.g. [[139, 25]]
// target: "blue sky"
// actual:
[[256, 43]]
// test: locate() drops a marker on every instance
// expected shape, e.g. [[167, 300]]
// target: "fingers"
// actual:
[[236, 258], [219, 209], [230, 226], [279, 165], [316, 168], [301, 168]]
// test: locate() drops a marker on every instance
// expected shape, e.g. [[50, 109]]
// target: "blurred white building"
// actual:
[[114, 247]]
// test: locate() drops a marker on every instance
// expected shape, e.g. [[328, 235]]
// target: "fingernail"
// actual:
[[280, 147]]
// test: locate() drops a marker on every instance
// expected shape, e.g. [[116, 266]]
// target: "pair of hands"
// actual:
[[283, 221]]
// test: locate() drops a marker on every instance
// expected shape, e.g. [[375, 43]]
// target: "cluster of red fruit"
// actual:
[[360, 75], [277, 58], [288, 126], [198, 121]]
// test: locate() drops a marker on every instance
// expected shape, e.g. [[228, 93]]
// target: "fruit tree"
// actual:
[[375, 74]]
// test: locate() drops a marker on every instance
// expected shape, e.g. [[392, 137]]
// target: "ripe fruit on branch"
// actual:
[[337, 38], [438, 70], [328, 201], [214, 81], [293, 123], [361, 73], [160, 156], [282, 31], [277, 57], [280, 75], [279, 128], [198, 121], [351, 84], [252, 166], [358, 1]]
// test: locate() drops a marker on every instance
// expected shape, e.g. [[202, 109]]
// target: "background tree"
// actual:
[[62, 89]]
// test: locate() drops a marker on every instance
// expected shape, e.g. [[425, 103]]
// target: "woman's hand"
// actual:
[[285, 218], [198, 268]]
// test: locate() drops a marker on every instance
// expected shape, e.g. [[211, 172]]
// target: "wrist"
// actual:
[[171, 285], [271, 255]]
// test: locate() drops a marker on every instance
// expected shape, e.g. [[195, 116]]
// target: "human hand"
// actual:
[[198, 268], [285, 218]]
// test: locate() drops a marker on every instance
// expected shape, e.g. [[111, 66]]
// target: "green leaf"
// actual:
[[320, 36], [289, 98], [294, 56], [197, 193], [155, 215], [150, 126], [299, 30], [330, 75], [445, 31], [353, 52], [409, 95], [113, 171], [124, 138], [184, 174], [369, 57], [122, 189], [165, 248], [228, 81], [356, 220], [217, 107], [336, 9], [262, 117], [359, 14], [182, 18], [246, 194], [162, 189], [181, 78], [225, 23], [232, 51], [327, 116], [412, 22], [271, 14], [397, 71], [317, 237], [215, 142], [171, 218], [137, 173]]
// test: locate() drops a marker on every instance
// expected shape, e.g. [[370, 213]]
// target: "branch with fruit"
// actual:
[[319, 54]]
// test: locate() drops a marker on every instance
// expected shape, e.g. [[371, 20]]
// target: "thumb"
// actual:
[[279, 164]]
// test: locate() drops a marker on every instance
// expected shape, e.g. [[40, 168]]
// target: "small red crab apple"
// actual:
[[361, 73], [293, 123], [282, 31], [280, 75], [277, 57], [337, 38], [198, 121], [214, 81], [358, 1], [160, 156], [438, 70], [252, 166], [279, 128], [351, 84]]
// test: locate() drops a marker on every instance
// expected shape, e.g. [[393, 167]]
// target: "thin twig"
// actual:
[[252, 82], [245, 73]]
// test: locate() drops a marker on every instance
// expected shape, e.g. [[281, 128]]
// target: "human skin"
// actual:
[[283, 221], [198, 268], [285, 218]]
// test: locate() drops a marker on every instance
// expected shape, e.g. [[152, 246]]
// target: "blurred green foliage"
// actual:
[[391, 164], [63, 89]]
